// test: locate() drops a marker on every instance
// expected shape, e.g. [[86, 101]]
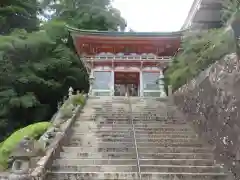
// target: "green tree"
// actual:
[[37, 68], [86, 14], [36, 72], [18, 14]]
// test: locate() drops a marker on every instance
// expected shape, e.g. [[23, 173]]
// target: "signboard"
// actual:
[[126, 78]]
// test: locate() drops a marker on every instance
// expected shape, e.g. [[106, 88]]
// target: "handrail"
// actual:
[[134, 136], [192, 12]]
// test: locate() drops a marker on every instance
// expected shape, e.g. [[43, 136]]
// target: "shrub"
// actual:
[[66, 111], [200, 50], [67, 108], [33, 131], [77, 99]]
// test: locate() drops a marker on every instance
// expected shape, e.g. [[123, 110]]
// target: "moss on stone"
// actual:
[[33, 131]]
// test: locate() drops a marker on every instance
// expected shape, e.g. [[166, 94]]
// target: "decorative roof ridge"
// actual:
[[96, 32]]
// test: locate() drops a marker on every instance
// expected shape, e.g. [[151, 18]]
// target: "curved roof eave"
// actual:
[[116, 33]]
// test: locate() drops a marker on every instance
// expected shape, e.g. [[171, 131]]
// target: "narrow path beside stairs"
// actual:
[[130, 138]]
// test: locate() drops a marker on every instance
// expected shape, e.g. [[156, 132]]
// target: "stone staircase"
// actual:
[[129, 138]]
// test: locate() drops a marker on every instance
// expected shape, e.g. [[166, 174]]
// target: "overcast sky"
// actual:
[[154, 15]]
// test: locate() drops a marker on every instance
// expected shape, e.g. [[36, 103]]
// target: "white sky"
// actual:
[[154, 15]]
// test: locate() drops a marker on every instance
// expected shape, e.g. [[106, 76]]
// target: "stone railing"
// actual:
[[212, 105], [194, 8], [52, 139], [128, 57]]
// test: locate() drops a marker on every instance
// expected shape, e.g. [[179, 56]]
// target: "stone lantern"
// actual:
[[91, 82], [70, 91], [161, 85], [22, 156]]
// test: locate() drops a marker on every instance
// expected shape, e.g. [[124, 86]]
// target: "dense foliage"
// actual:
[[18, 14], [199, 50], [37, 67]]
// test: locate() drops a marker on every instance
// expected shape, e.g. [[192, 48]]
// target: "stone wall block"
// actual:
[[213, 107]]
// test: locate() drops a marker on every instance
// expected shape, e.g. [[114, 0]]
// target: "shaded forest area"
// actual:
[[38, 62]]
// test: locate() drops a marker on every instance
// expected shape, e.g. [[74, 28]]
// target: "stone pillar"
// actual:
[[141, 93]]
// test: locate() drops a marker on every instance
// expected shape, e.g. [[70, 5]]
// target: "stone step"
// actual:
[[138, 132], [190, 162], [143, 168], [58, 175], [138, 125], [164, 132], [125, 122], [130, 134], [181, 168], [89, 138], [165, 136], [155, 130], [176, 156], [99, 155], [140, 144], [159, 149], [94, 168], [132, 155]]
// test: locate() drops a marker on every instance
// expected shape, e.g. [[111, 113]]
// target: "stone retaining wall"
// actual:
[[212, 104]]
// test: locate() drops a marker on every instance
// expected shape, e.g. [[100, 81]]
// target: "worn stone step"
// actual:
[[158, 149], [109, 122], [171, 128], [58, 175], [168, 149], [105, 139], [105, 134], [190, 162], [75, 162], [132, 155], [165, 136], [98, 155], [129, 138], [95, 168], [138, 133], [130, 135], [176, 156], [94, 139], [140, 144], [167, 140], [98, 149], [181, 169], [154, 130], [129, 121], [134, 168], [164, 132], [141, 125]]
